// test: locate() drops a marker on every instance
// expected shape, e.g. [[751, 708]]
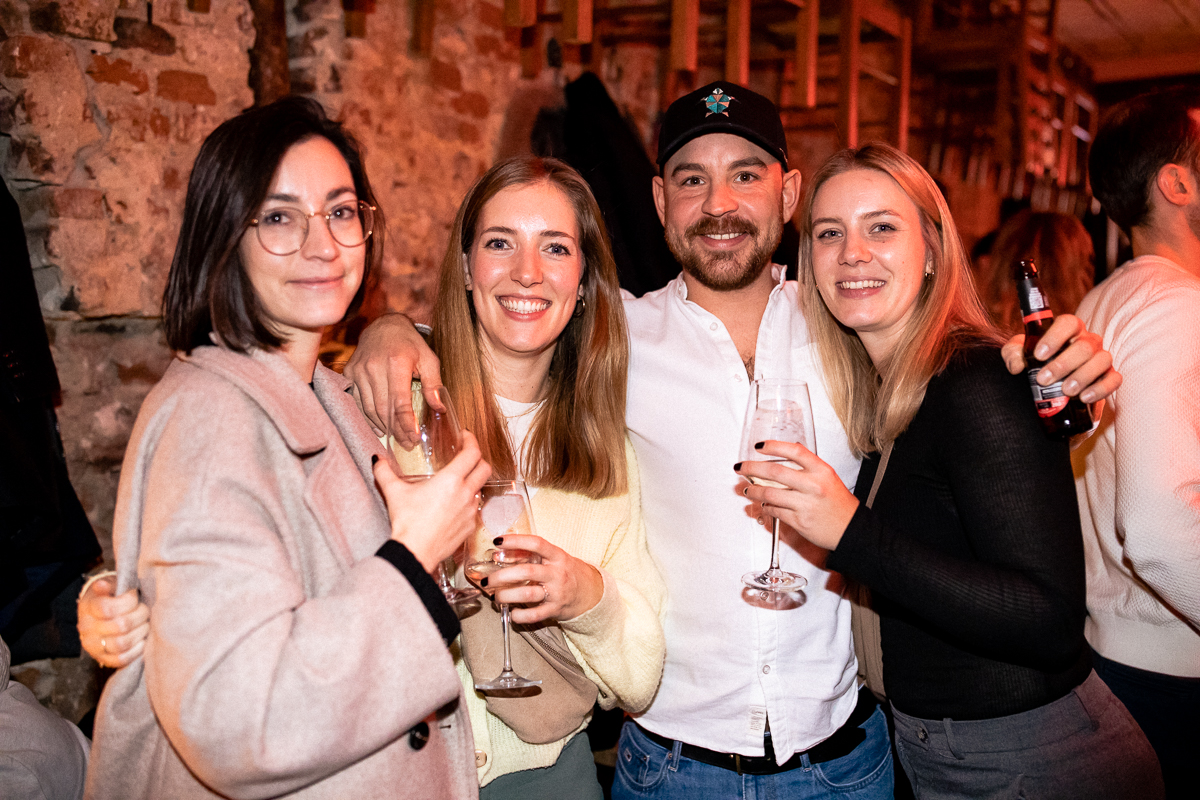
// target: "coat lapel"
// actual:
[[339, 489]]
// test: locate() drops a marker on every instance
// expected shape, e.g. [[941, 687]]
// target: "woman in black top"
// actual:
[[972, 548]]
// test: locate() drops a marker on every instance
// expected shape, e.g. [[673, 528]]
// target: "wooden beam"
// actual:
[[577, 21], [1144, 67], [685, 30], [807, 32], [737, 42], [882, 16], [905, 88], [848, 44], [270, 78], [520, 13], [531, 51], [423, 14]]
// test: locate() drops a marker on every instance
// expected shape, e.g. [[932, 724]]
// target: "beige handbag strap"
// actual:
[[864, 622], [883, 462]]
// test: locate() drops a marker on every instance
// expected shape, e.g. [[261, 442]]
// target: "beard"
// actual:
[[725, 271]]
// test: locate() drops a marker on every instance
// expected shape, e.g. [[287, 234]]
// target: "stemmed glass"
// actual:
[[503, 510], [439, 438], [778, 410]]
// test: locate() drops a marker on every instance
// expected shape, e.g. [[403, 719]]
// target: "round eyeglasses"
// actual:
[[283, 230]]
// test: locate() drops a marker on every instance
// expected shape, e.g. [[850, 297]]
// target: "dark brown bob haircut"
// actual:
[[577, 441], [207, 288]]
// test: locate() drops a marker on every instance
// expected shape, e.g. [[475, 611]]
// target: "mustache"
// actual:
[[724, 225]]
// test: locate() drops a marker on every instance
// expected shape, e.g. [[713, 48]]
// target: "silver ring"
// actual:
[[545, 594], [104, 645]]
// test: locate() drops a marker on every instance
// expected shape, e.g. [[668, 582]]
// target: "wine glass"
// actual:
[[778, 410], [503, 510], [438, 439]]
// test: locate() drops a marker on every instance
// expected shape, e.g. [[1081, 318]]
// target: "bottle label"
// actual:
[[1045, 313], [1048, 400]]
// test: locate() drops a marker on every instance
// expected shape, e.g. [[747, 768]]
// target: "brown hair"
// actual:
[[876, 405], [577, 442], [207, 287], [1063, 251]]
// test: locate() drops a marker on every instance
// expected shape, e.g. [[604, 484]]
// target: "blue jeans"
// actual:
[[648, 771]]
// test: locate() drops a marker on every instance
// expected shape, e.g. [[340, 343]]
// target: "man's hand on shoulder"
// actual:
[[1074, 355], [391, 352]]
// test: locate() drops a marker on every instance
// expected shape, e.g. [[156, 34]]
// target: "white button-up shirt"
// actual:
[[732, 662]]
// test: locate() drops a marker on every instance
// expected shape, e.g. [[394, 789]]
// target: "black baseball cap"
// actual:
[[722, 107]]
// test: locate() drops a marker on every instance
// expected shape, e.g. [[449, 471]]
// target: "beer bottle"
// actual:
[[1062, 416]]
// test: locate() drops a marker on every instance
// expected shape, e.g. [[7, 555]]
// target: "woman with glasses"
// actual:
[[297, 645]]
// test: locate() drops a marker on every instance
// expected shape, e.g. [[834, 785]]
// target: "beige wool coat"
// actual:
[[284, 658]]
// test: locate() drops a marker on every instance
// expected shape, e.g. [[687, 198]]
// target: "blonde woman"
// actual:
[[972, 547]]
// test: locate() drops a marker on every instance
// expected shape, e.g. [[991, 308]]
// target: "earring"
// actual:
[[580, 306], [928, 270]]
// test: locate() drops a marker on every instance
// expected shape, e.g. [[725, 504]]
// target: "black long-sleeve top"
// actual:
[[973, 551]]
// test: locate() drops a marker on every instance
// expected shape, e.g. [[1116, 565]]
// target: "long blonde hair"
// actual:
[[577, 441], [876, 405]]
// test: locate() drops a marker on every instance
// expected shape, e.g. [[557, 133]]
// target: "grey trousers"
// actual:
[[572, 777], [1084, 745]]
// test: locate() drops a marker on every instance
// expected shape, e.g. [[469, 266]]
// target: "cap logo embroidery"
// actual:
[[717, 103]]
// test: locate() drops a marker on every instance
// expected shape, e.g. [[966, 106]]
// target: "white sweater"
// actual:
[[1138, 477]]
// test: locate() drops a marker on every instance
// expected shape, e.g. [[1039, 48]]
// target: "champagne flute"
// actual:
[[778, 410], [439, 438], [503, 510]]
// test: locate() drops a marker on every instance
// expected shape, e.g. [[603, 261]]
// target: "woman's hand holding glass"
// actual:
[[560, 587], [433, 518], [814, 502]]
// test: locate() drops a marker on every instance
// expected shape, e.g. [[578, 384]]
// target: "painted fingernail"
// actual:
[[737, 466], [759, 445], [374, 459], [483, 582], [499, 540]]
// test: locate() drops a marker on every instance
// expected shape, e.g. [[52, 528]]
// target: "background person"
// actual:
[[972, 548], [1064, 253], [1138, 476], [297, 645]]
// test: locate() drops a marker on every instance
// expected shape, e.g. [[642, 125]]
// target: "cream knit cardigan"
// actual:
[[619, 642]]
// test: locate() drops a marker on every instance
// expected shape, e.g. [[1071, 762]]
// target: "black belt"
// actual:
[[841, 743]]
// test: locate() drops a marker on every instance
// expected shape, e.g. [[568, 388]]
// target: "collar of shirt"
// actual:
[[732, 661]]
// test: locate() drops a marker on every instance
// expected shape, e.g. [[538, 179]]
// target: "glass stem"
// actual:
[[443, 578], [504, 623], [775, 547]]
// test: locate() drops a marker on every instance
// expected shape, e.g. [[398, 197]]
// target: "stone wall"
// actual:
[[103, 106]]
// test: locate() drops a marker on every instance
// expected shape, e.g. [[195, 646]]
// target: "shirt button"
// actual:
[[712, 327], [480, 759], [922, 734], [766, 669], [418, 737]]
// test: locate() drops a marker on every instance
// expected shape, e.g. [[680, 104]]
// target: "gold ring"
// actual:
[[103, 645], [545, 594]]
